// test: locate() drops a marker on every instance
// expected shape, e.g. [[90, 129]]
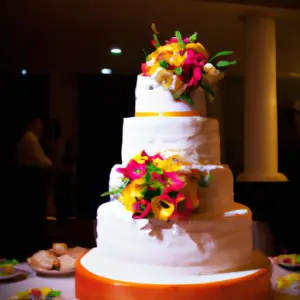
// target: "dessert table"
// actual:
[[66, 285]]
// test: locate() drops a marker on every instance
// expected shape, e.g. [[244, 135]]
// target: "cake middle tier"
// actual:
[[193, 138], [177, 248]]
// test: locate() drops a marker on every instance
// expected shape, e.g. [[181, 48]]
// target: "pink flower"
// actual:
[[152, 157], [174, 40], [192, 68], [174, 184], [123, 171], [144, 68], [133, 170], [142, 214], [158, 177]]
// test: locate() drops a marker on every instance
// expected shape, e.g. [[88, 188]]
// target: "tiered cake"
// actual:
[[172, 230]]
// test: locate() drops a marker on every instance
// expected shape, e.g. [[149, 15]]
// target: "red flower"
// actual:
[[192, 68]]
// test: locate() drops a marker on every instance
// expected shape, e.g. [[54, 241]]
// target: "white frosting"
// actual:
[[123, 271], [193, 138], [197, 246], [152, 97], [216, 198]]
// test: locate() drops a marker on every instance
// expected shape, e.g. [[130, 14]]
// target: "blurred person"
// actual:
[[31, 193], [64, 190]]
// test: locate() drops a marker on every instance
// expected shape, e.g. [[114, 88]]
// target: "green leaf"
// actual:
[[185, 98], [178, 70], [204, 180], [157, 43], [193, 37], [146, 54], [222, 53], [224, 63], [176, 96], [208, 97], [116, 191], [152, 168], [164, 64], [53, 294], [207, 89], [179, 39]]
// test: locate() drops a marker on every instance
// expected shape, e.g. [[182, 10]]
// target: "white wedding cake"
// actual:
[[172, 217]]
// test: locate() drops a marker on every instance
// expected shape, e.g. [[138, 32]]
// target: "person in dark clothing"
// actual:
[[26, 231]]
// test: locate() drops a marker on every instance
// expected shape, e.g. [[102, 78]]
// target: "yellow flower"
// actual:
[[129, 195], [172, 164], [140, 158], [177, 59], [197, 47], [164, 78], [168, 165], [160, 212]]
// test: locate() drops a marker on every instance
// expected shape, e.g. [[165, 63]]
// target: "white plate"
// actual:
[[54, 273], [15, 273]]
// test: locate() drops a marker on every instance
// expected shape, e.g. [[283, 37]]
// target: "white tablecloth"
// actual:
[[67, 285]]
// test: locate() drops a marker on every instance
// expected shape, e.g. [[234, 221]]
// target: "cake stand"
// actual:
[[249, 285]]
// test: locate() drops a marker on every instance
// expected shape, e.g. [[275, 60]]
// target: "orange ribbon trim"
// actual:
[[168, 114]]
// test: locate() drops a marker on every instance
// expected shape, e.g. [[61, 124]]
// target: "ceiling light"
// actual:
[[24, 72], [106, 71], [116, 51]]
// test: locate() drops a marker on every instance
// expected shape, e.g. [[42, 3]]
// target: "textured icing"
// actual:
[[193, 138], [193, 247], [105, 267], [124, 271], [152, 97]]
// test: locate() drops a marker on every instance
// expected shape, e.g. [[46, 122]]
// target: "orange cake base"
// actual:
[[92, 287]]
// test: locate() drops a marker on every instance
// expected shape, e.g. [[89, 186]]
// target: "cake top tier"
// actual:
[[177, 71]]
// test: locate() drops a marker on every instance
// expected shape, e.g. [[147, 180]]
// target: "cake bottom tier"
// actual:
[[247, 285]]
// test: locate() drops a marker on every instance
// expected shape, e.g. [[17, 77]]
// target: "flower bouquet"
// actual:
[[160, 188], [182, 65]]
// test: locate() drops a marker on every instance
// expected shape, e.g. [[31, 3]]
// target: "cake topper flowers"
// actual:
[[158, 187], [182, 64]]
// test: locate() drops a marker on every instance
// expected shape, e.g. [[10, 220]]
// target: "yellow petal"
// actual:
[[197, 47], [159, 211], [129, 195], [153, 27], [140, 159]]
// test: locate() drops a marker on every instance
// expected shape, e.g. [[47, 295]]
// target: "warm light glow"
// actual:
[[116, 51], [106, 71], [24, 72]]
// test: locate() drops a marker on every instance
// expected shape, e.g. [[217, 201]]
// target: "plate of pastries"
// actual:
[[290, 261], [57, 261], [8, 269]]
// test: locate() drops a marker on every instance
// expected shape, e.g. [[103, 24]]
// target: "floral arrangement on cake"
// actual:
[[155, 187], [182, 65]]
